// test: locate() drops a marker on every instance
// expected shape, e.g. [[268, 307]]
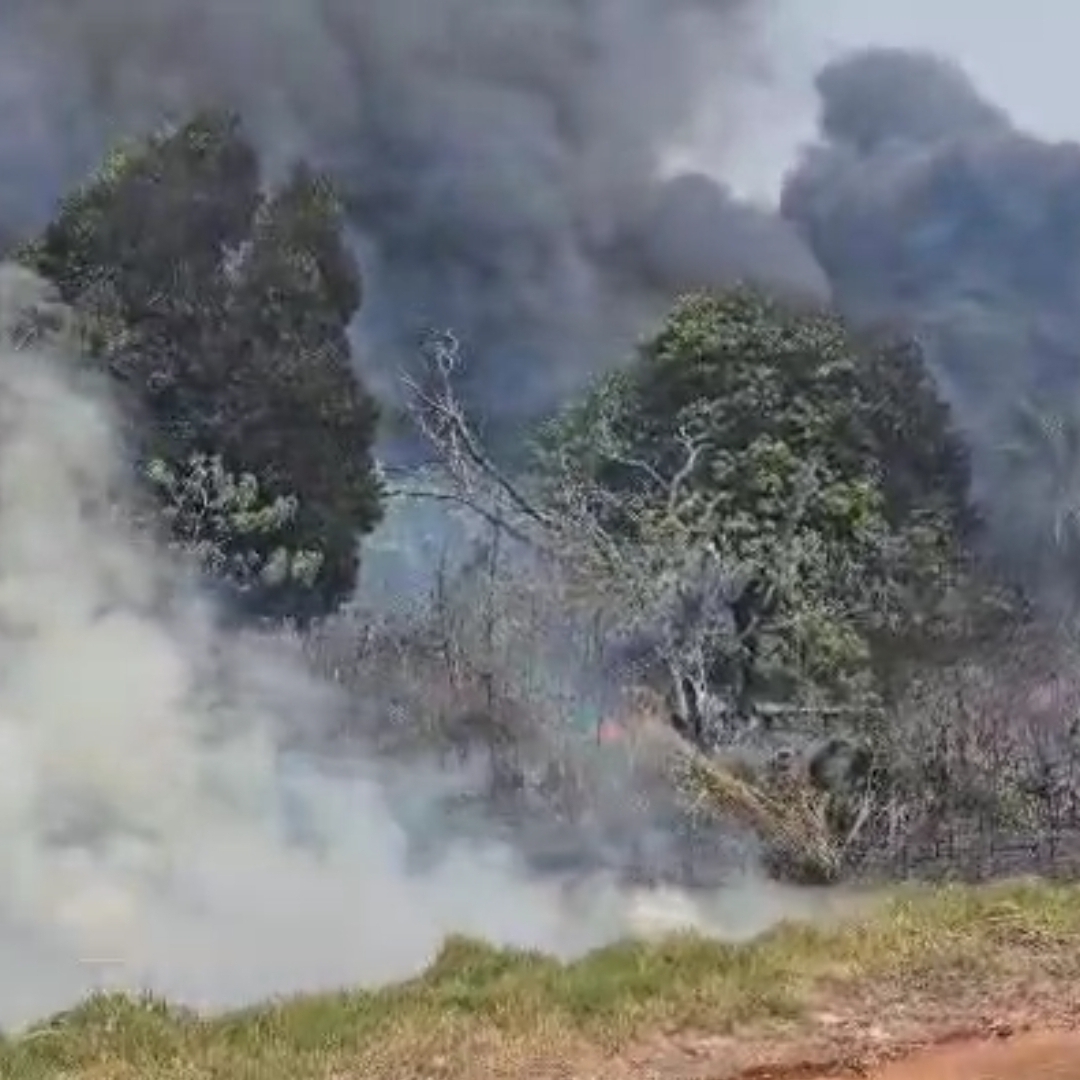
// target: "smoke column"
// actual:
[[507, 171], [504, 162], [928, 208]]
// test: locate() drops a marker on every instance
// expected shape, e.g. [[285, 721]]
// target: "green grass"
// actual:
[[480, 1011]]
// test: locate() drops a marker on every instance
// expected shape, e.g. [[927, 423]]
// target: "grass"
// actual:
[[479, 1011]]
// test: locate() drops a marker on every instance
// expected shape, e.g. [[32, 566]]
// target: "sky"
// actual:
[[1023, 56]]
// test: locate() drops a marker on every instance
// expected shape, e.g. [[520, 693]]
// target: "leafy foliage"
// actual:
[[235, 532], [815, 476], [222, 312]]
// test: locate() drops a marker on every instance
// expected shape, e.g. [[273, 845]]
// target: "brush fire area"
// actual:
[[494, 585]]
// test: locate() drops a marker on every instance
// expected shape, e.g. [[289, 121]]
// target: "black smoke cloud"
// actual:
[[927, 207], [503, 160], [504, 168]]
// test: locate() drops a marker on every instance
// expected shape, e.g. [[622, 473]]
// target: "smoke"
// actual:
[[927, 208], [878, 95], [162, 826], [505, 163], [164, 821], [145, 811], [508, 172]]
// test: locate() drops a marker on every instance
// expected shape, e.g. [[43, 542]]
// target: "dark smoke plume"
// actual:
[[503, 159], [926, 206]]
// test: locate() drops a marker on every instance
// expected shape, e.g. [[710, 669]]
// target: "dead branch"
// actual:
[[495, 520], [441, 417]]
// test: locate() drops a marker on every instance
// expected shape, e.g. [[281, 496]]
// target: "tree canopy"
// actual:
[[811, 479], [222, 312]]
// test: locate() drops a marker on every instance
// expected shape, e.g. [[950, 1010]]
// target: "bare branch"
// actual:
[[693, 446], [494, 519], [442, 419]]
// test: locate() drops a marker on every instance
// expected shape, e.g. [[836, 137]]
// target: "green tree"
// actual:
[[235, 532], [222, 311], [807, 480]]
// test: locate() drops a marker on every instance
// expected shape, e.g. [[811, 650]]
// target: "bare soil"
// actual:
[[1026, 1031], [1034, 1057]]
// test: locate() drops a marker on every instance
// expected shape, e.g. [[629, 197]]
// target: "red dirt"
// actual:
[[1033, 1056], [1027, 1031], [1030, 1057]]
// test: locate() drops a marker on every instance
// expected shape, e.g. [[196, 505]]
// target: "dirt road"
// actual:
[[1028, 1057], [1022, 1031]]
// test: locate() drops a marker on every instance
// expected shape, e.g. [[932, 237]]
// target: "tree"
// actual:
[[773, 508], [804, 488], [222, 313]]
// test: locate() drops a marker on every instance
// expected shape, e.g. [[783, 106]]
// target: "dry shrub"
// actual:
[[983, 753], [786, 814]]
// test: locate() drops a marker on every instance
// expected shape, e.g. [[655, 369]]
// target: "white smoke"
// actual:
[[153, 834], [144, 839]]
